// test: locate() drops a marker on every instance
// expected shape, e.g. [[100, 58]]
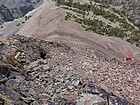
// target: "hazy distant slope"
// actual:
[[11, 9], [129, 8]]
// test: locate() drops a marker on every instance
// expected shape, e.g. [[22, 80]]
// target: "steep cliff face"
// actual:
[[12, 9]]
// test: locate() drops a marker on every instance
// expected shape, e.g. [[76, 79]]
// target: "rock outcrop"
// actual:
[[13, 9]]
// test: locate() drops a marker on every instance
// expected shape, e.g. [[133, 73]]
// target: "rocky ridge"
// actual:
[[37, 72], [13, 9]]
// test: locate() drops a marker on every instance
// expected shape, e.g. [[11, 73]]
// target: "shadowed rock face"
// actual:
[[11, 9]]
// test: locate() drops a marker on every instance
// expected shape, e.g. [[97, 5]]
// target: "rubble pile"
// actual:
[[37, 72]]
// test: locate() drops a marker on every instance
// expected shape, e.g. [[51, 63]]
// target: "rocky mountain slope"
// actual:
[[43, 26], [13, 9], [77, 56], [38, 72]]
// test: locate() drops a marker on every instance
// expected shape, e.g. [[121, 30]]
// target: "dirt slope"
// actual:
[[48, 23]]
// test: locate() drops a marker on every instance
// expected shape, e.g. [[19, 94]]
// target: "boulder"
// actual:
[[90, 99]]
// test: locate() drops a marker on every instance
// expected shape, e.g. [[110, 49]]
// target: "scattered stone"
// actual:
[[9, 95], [34, 64], [76, 82], [57, 75], [32, 92], [105, 88], [17, 55], [90, 99], [45, 67], [35, 103], [119, 89], [70, 87], [48, 103], [44, 96], [28, 100]]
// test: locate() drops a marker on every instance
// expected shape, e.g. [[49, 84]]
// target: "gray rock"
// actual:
[[48, 103], [105, 88], [90, 99], [28, 99], [17, 55], [19, 78], [45, 67], [13, 83], [35, 103], [76, 82], [10, 94], [34, 64], [43, 61], [32, 92], [59, 79], [70, 87], [7, 7], [44, 96]]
